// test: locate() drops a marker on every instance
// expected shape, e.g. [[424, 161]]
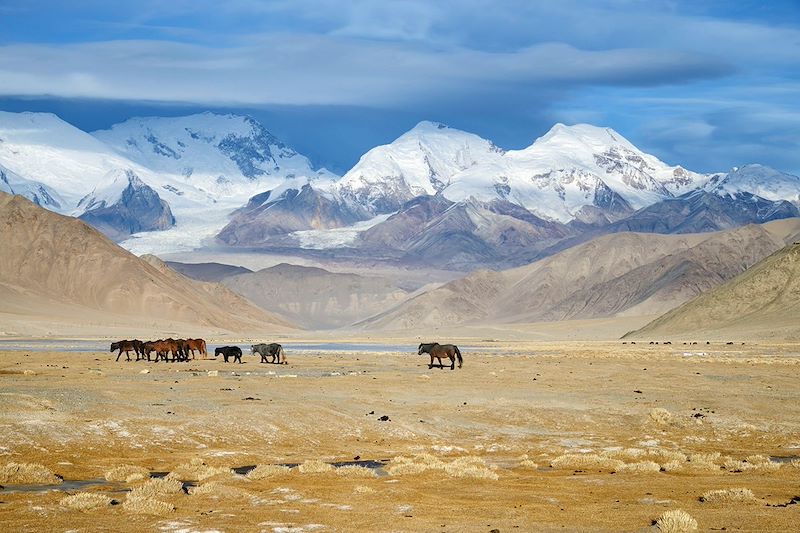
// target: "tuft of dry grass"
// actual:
[[156, 487], [676, 521], [468, 467], [218, 489], [198, 470], [28, 473], [696, 462], [363, 489], [85, 501], [642, 467], [147, 506], [267, 471], [355, 471], [586, 461], [127, 473], [527, 463], [315, 466], [738, 495], [661, 416]]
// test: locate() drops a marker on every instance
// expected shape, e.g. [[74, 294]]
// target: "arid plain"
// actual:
[[527, 436]]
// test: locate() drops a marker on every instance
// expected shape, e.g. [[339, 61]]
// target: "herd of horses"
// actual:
[[183, 350]]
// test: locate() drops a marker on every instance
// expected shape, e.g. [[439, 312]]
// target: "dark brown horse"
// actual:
[[440, 351], [163, 349], [125, 346]]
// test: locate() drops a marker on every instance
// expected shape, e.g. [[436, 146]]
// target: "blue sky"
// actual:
[[706, 84]]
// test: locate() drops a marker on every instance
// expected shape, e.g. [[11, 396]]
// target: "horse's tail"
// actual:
[[281, 356], [458, 354], [203, 348]]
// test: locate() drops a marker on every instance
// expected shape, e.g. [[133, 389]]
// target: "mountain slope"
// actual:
[[314, 297], [58, 270], [624, 273], [762, 302]]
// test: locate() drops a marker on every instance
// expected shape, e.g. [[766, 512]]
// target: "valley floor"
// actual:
[[527, 436]]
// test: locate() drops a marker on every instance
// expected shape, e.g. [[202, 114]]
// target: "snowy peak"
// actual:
[[423, 160], [758, 180], [208, 149], [585, 135]]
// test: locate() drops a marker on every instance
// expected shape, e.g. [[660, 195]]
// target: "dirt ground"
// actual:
[[527, 436]]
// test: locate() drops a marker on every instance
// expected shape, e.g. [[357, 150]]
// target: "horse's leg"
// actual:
[[119, 354], [431, 365], [452, 362], [239, 358], [128, 355]]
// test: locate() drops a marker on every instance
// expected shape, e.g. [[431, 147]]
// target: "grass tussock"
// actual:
[[218, 489], [315, 466], [527, 463], [696, 462], [85, 501], [198, 470], [28, 474], [267, 471], [739, 495], [156, 487], [642, 467], [463, 467], [363, 489], [586, 461], [657, 455], [752, 463], [147, 506], [676, 521], [127, 474], [355, 471], [661, 416]]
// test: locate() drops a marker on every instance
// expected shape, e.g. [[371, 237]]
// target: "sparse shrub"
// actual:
[[315, 466], [355, 471], [28, 473], [85, 501], [267, 470], [728, 496], [585, 461], [197, 470], [659, 415], [127, 473], [676, 521], [642, 467]]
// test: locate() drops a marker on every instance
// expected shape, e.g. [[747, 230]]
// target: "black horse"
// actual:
[[439, 351], [228, 352]]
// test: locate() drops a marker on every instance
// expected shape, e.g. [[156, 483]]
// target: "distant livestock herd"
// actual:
[[184, 349]]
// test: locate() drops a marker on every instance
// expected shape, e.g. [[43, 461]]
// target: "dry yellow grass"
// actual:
[[197, 470], [28, 473], [85, 501], [218, 489], [659, 415], [465, 467], [267, 470], [363, 489], [127, 473], [642, 467], [147, 506], [315, 466], [527, 463], [676, 521], [586, 461], [737, 495], [156, 487], [355, 471]]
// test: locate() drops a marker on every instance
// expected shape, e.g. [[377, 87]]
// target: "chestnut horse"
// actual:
[[439, 351], [190, 345]]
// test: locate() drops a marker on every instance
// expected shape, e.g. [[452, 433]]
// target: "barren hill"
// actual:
[[762, 302], [619, 274], [60, 276], [317, 298]]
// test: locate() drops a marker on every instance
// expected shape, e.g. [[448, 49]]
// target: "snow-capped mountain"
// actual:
[[424, 160], [758, 180], [38, 193], [572, 172], [223, 155]]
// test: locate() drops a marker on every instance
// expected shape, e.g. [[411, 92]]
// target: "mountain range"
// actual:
[[434, 196]]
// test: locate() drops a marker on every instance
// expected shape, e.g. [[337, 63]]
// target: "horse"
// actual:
[[273, 350], [163, 349], [147, 348], [434, 349], [195, 344], [229, 351], [124, 346]]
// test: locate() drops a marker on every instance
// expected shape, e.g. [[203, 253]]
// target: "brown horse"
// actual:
[[439, 351], [125, 346], [195, 344], [163, 349]]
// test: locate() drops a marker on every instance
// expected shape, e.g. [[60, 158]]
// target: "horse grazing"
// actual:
[[272, 350], [124, 346], [228, 352], [439, 351], [195, 344]]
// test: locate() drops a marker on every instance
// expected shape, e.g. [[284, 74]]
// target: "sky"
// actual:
[[707, 84]]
